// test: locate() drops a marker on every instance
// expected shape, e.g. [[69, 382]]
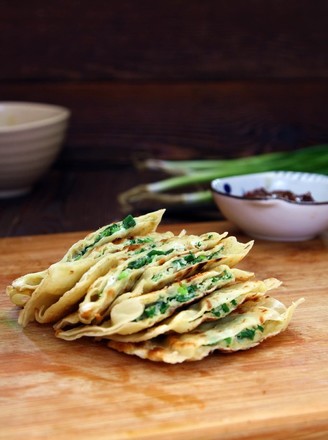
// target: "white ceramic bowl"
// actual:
[[31, 136], [273, 218]]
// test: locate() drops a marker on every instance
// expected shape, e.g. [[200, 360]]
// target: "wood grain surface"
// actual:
[[53, 389], [169, 40], [182, 78], [117, 123]]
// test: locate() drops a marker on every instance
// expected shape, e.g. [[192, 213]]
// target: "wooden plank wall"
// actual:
[[173, 79]]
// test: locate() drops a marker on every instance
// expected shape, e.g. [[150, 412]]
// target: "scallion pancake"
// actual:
[[137, 313], [130, 226], [123, 278], [180, 266], [215, 305], [248, 326], [65, 284], [159, 296], [21, 289], [59, 278]]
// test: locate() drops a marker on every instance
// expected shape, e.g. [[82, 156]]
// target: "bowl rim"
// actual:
[[62, 114], [269, 199]]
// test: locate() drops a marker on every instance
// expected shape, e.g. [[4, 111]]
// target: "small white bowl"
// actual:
[[31, 136], [273, 218]]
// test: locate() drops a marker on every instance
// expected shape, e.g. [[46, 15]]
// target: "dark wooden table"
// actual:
[[68, 200], [179, 80]]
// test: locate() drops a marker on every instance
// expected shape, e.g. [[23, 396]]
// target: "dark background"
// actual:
[[174, 79]]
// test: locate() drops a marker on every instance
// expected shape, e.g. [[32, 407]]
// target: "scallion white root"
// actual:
[[199, 173]]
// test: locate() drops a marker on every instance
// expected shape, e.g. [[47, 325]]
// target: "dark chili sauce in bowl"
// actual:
[[262, 193]]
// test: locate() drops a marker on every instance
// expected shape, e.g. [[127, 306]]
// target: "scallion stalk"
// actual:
[[310, 159], [187, 174]]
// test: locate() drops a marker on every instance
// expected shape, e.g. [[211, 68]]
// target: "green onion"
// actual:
[[187, 174]]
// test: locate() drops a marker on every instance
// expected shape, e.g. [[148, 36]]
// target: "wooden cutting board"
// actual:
[[53, 389]]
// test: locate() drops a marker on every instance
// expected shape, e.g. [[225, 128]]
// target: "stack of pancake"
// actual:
[[159, 296]]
